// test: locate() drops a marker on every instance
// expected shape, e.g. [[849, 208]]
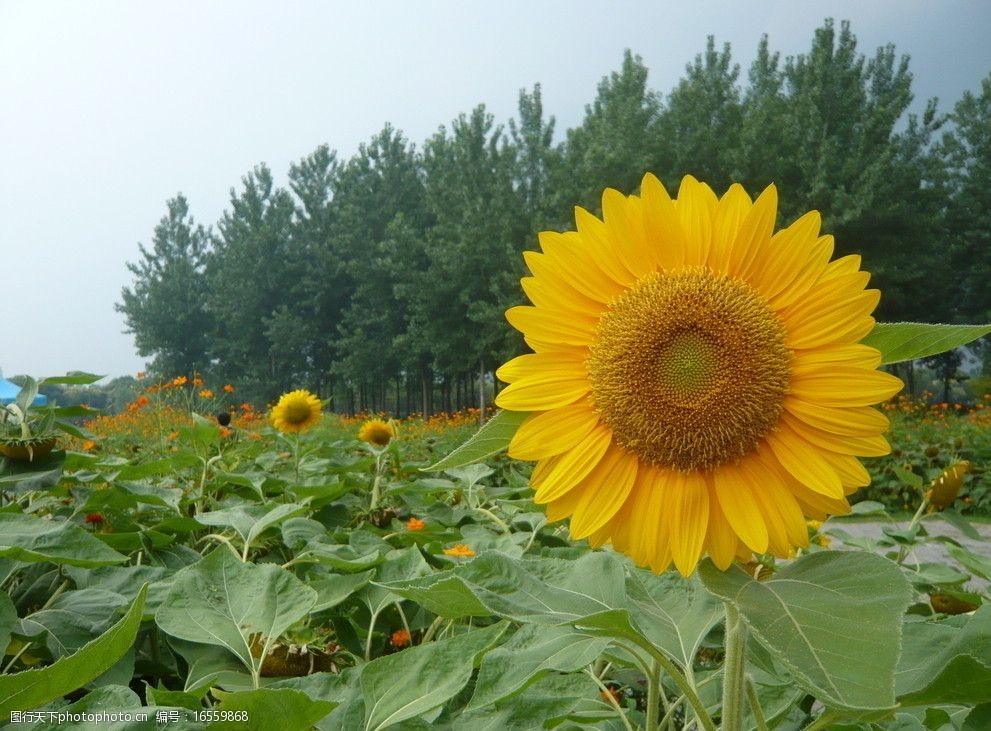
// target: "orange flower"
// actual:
[[610, 695], [415, 524], [197, 381], [143, 400], [173, 435], [400, 638], [93, 518], [180, 381], [229, 388], [460, 550], [88, 445], [206, 393], [226, 432]]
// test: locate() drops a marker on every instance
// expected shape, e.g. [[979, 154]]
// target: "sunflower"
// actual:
[[377, 432], [296, 411], [697, 383]]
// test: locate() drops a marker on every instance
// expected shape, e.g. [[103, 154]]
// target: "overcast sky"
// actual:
[[107, 109]]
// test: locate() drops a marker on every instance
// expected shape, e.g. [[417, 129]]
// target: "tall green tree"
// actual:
[[966, 152], [831, 129], [166, 309], [252, 272], [616, 142], [698, 130]]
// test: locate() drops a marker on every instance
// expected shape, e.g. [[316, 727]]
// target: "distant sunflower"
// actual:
[[377, 432], [296, 411], [697, 385]]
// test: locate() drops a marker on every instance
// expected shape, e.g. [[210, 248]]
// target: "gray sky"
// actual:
[[107, 109]]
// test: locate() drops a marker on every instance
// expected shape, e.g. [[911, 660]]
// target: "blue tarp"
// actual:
[[9, 391]]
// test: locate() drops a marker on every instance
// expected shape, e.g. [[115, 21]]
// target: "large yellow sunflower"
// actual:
[[696, 384], [296, 411]]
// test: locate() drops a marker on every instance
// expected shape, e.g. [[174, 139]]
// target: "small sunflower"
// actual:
[[377, 432], [296, 411], [697, 383]]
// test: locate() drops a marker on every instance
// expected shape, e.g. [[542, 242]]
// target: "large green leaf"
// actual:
[[491, 439], [673, 613], [550, 698], [832, 618], [75, 378], [223, 601], [900, 341], [946, 661], [404, 685], [271, 708], [74, 618], [26, 538], [529, 655], [542, 591], [32, 688]]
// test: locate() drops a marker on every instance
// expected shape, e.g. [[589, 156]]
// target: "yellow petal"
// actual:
[[810, 272], [572, 256], [567, 364], [831, 323], [603, 243], [853, 354], [552, 432], [688, 503], [852, 473], [731, 211], [696, 207], [844, 386], [851, 421], [541, 394], [754, 234], [567, 328], [573, 466], [720, 540], [663, 227], [547, 296], [598, 497], [872, 446], [782, 261], [804, 461], [733, 490]]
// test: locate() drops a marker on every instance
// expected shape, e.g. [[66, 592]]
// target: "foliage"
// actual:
[[274, 587]]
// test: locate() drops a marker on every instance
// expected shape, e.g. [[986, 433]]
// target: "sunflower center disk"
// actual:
[[297, 411], [689, 369]]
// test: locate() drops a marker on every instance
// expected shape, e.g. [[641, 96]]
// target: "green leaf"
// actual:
[[32, 688], [908, 477], [529, 655], [943, 662], [491, 439], [978, 565], [832, 618], [26, 538], [548, 699], [404, 685], [74, 378], [673, 613], [158, 466], [900, 341], [8, 620], [959, 522], [222, 601], [979, 719], [541, 591], [250, 521], [270, 708], [332, 590], [75, 618]]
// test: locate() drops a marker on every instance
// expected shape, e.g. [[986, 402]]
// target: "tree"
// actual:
[[699, 129], [252, 272], [167, 308], [616, 142]]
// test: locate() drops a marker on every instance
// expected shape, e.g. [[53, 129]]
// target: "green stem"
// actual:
[[608, 698], [375, 483], [733, 670], [705, 720], [495, 519], [755, 705], [653, 691]]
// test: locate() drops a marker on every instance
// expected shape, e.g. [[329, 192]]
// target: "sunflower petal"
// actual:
[[573, 466], [804, 461], [552, 432], [742, 511], [688, 503], [720, 540]]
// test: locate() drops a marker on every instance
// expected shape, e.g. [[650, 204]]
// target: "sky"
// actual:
[[108, 109]]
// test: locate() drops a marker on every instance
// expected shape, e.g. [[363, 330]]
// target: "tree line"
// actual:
[[380, 281]]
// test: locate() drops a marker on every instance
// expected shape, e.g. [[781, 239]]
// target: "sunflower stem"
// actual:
[[734, 678], [375, 482], [653, 693]]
